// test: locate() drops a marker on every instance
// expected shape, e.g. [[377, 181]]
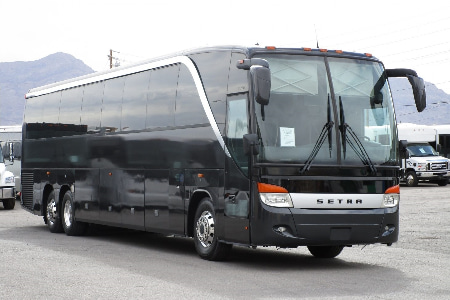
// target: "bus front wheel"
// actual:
[[205, 239], [325, 251]]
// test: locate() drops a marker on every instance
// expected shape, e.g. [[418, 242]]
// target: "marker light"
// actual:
[[274, 195], [391, 196]]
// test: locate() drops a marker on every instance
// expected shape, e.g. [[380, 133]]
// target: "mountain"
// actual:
[[16, 78], [437, 111]]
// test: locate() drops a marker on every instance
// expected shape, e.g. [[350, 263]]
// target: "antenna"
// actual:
[[317, 39]]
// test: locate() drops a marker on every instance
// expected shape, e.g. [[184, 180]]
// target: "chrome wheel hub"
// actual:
[[205, 229], [410, 179], [68, 214], [51, 211]]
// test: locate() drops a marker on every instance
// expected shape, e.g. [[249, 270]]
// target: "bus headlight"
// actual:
[[278, 200], [274, 195], [391, 197]]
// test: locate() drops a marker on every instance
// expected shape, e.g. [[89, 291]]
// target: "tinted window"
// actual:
[[214, 68], [161, 97], [92, 106], [50, 107], [134, 105], [70, 108], [44, 108], [237, 82], [112, 104], [33, 110], [189, 109]]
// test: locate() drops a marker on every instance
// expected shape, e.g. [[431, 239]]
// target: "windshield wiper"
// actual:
[[357, 146], [326, 131]]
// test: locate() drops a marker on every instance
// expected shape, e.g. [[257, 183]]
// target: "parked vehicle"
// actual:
[[11, 143], [7, 184], [420, 162]]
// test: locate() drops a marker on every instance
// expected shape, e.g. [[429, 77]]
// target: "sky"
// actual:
[[403, 34]]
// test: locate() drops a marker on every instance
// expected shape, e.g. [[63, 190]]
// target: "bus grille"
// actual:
[[27, 190]]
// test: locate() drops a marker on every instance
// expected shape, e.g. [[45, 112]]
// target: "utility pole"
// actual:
[[111, 57]]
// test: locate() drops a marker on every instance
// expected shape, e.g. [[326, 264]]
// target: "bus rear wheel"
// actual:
[[325, 251], [69, 224], [206, 242], [51, 216]]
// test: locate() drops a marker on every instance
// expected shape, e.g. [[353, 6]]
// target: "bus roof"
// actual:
[[152, 63]]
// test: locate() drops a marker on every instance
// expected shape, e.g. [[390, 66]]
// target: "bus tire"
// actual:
[[52, 215], [411, 179], [206, 243], [9, 203], [325, 251], [69, 224]]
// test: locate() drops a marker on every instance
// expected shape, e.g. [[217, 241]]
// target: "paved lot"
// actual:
[[120, 264]]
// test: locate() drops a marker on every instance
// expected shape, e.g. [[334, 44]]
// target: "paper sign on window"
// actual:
[[287, 137]]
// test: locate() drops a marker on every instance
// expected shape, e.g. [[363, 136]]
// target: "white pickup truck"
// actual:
[[7, 184], [420, 162]]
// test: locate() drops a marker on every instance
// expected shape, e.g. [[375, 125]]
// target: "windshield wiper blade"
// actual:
[[342, 128], [330, 145], [326, 131], [359, 147]]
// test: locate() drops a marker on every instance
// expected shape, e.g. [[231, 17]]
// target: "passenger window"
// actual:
[[70, 108], [189, 109], [134, 105], [92, 106], [161, 97], [112, 104]]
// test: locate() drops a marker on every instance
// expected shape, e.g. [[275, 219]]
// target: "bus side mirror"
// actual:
[[418, 87], [417, 84], [251, 144], [261, 84]]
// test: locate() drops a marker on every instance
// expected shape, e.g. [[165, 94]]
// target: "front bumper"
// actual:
[[292, 227], [433, 175], [7, 193]]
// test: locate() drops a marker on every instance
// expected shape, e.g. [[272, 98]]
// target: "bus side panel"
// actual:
[[86, 194], [156, 200], [131, 194]]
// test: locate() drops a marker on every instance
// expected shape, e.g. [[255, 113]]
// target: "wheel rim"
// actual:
[[68, 214], [410, 179], [205, 229], [51, 211]]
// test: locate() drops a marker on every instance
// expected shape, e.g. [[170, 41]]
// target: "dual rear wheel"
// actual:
[[63, 220]]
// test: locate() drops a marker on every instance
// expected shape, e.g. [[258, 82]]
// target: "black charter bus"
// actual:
[[229, 145]]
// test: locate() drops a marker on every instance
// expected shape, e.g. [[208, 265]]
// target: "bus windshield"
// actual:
[[334, 109]]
